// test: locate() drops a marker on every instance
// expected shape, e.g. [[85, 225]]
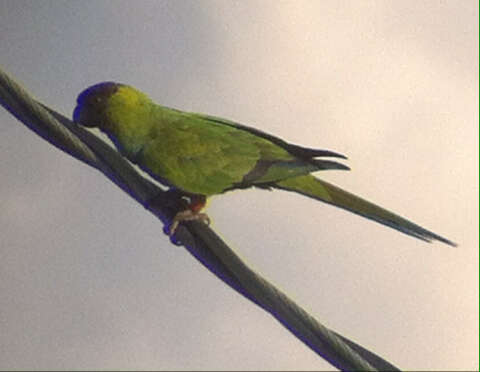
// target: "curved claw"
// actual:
[[187, 215]]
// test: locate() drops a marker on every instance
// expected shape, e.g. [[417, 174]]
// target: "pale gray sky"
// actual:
[[89, 281]]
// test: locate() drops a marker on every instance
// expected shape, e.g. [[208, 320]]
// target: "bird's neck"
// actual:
[[130, 127]]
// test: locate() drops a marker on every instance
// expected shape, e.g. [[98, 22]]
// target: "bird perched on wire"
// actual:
[[201, 156]]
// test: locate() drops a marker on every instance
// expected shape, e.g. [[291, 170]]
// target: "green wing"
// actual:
[[299, 151], [205, 155]]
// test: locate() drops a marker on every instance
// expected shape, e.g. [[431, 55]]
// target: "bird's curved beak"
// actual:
[[80, 116]]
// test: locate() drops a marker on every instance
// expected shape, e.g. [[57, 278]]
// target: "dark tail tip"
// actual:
[[328, 164], [328, 153]]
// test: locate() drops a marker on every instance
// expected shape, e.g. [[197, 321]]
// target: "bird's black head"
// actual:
[[91, 104]]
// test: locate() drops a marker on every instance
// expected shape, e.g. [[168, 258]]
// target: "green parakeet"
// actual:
[[201, 155]]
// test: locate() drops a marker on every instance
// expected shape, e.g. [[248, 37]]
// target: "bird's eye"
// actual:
[[98, 99]]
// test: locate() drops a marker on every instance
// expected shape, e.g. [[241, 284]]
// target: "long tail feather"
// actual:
[[315, 188]]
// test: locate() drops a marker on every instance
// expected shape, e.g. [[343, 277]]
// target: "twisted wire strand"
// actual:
[[199, 239]]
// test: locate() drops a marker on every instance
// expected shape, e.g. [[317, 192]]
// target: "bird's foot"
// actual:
[[187, 215]]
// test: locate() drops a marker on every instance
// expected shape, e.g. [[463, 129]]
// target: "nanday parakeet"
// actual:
[[201, 155]]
